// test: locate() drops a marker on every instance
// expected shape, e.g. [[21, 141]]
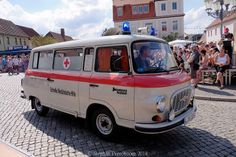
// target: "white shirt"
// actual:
[[16, 61]]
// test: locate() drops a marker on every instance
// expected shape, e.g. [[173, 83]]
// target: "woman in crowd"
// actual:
[[222, 62]]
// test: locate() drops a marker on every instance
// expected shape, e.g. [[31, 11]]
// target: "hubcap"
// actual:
[[38, 105], [104, 124]]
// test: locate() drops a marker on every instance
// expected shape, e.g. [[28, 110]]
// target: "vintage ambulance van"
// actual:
[[123, 80]]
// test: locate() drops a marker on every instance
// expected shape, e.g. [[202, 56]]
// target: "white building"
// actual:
[[165, 16], [213, 33]]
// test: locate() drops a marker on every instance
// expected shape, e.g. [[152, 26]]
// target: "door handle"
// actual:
[[93, 85], [49, 79]]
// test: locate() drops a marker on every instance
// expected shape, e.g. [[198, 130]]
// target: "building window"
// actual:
[[8, 41], [120, 11], [149, 24], [24, 42], [146, 9], [175, 25], [20, 41], [215, 31], [140, 9], [164, 26], [134, 10], [163, 7], [174, 6], [16, 41]]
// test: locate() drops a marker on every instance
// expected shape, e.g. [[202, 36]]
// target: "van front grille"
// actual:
[[181, 100]]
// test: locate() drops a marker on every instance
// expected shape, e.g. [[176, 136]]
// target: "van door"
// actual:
[[37, 77], [111, 84], [64, 84]]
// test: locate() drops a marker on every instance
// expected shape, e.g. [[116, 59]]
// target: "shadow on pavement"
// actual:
[[182, 141], [215, 91]]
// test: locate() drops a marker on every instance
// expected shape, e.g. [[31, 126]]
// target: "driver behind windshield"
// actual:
[[142, 60]]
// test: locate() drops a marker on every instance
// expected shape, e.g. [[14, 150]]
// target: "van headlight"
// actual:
[[161, 104]]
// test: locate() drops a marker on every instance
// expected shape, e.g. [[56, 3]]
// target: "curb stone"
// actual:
[[224, 99]]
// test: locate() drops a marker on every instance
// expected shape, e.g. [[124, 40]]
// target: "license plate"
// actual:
[[189, 118]]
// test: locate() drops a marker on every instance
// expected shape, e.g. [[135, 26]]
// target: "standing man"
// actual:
[[16, 63], [194, 64], [227, 42]]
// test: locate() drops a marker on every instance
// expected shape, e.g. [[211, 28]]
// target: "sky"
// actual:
[[84, 18]]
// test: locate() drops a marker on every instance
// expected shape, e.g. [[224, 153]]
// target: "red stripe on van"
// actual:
[[143, 81]]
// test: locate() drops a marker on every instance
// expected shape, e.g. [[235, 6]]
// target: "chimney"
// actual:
[[63, 34]]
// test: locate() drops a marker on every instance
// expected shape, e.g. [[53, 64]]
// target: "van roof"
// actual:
[[104, 40]]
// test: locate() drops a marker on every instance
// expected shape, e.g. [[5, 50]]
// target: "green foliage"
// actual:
[[40, 40], [172, 36]]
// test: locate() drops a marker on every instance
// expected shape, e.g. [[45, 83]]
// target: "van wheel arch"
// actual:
[[95, 111], [39, 108], [94, 107]]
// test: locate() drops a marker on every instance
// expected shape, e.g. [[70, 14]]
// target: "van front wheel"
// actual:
[[39, 108], [103, 123]]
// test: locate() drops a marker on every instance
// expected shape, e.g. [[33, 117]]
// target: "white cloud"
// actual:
[[84, 18], [196, 20], [81, 19]]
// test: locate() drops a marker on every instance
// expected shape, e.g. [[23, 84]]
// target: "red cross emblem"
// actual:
[[66, 63]]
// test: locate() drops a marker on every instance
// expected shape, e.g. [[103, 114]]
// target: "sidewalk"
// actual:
[[213, 93], [11, 151]]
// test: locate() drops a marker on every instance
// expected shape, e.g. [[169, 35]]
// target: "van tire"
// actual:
[[40, 109], [99, 119]]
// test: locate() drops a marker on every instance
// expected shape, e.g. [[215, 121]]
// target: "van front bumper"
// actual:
[[183, 118]]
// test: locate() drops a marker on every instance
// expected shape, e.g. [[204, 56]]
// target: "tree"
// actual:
[[110, 31], [172, 36], [40, 40]]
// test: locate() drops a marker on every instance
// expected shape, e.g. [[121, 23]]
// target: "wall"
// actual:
[[212, 37], [169, 11], [156, 24], [124, 2], [128, 15]]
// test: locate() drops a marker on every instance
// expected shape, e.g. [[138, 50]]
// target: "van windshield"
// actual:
[[153, 57]]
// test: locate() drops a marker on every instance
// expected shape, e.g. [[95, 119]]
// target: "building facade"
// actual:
[[12, 38], [213, 33], [166, 16]]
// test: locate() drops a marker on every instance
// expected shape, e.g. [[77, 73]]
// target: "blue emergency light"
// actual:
[[152, 31], [126, 28]]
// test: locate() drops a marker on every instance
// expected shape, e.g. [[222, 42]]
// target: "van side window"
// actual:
[[45, 60], [35, 60], [88, 59], [112, 59], [68, 59]]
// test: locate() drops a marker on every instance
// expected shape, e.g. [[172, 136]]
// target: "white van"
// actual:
[[124, 80]]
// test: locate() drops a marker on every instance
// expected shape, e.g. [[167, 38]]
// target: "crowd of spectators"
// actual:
[[195, 58], [18, 63]]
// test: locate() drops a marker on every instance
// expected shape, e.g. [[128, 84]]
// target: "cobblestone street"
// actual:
[[211, 133]]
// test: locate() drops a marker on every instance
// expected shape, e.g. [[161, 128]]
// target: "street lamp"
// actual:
[[220, 9]]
